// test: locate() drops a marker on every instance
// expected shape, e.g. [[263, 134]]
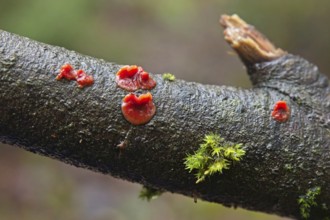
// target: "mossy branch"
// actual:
[[213, 156], [306, 202], [85, 127]]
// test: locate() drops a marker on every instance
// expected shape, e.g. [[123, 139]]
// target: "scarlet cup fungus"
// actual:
[[138, 110], [126, 78], [281, 111], [83, 79], [67, 72], [132, 78], [145, 81]]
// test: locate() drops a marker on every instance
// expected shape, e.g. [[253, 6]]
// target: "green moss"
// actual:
[[148, 193], [213, 156], [307, 201], [168, 77]]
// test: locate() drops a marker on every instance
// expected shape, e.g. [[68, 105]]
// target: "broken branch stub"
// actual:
[[247, 41]]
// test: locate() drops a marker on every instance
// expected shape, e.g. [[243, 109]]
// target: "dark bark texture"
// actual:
[[83, 127]]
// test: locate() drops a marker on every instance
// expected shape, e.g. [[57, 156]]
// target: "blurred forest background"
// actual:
[[182, 37]]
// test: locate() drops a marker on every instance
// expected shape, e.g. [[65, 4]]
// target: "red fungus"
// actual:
[[128, 72], [126, 78], [66, 72], [132, 78], [145, 81], [281, 111], [144, 76], [83, 79], [138, 110]]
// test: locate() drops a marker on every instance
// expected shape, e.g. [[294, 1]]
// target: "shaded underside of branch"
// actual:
[[83, 127]]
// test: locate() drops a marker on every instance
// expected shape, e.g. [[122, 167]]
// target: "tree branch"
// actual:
[[84, 127]]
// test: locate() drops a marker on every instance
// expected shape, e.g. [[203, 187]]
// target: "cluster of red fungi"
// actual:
[[132, 78], [139, 110], [67, 72]]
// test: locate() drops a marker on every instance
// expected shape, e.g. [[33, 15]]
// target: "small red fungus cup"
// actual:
[[281, 111], [83, 79], [132, 78], [66, 72], [138, 110], [145, 81]]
